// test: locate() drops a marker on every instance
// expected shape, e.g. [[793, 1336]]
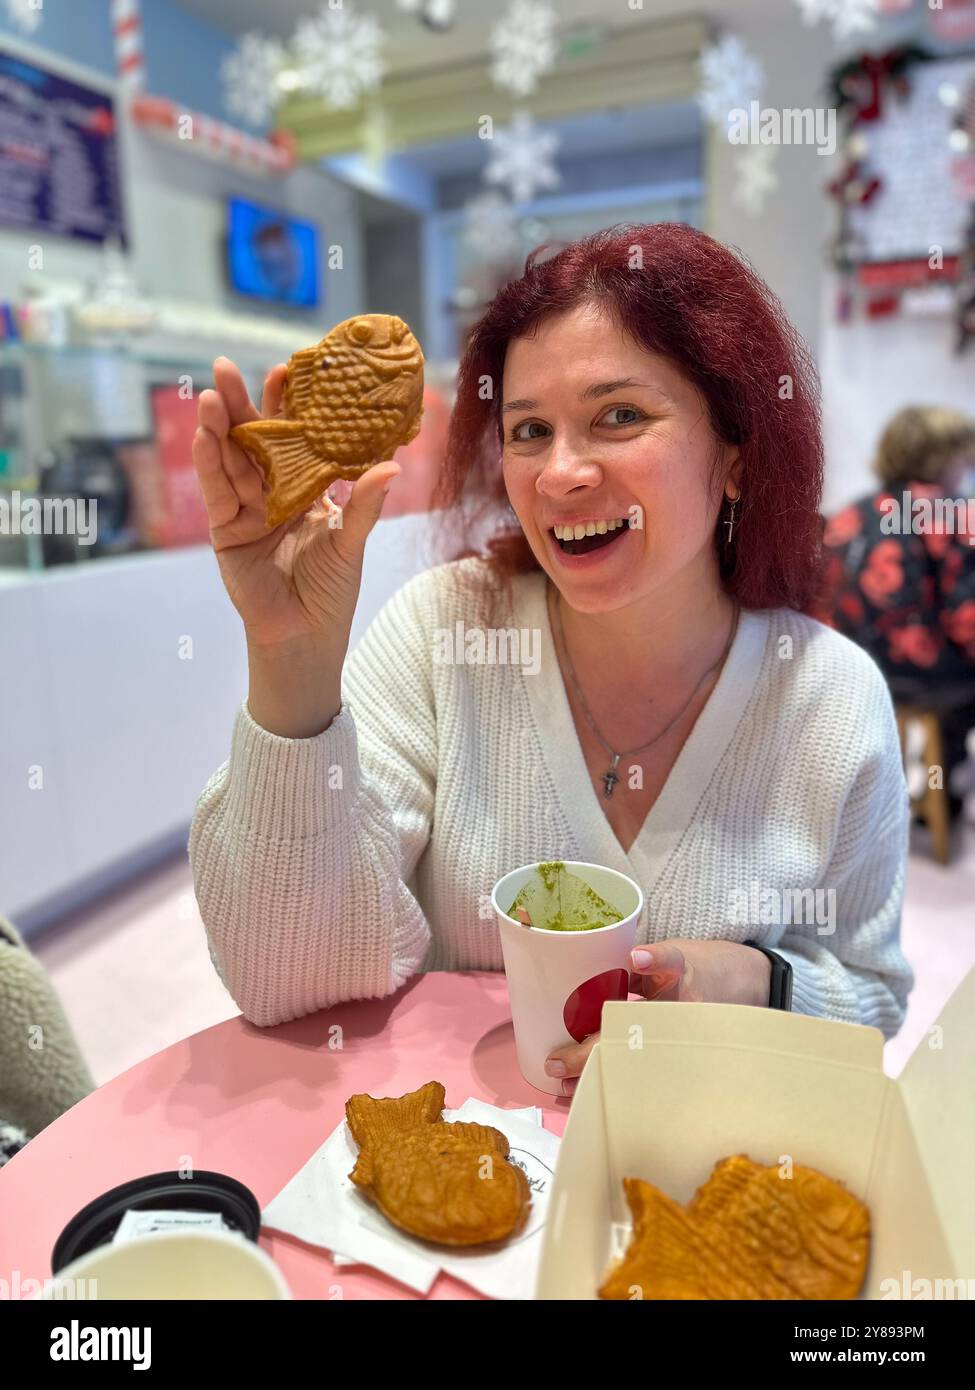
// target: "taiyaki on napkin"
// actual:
[[321, 1206]]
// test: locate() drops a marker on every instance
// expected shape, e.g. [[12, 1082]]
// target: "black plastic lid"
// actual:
[[96, 1223]]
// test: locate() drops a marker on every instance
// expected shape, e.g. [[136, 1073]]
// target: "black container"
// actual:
[[97, 1223]]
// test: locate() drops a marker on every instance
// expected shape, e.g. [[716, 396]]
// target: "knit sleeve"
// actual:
[[851, 967], [302, 849]]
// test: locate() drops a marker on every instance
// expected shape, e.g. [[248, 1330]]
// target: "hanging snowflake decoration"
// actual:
[[731, 77], [249, 77], [25, 14], [755, 177], [490, 226], [846, 16], [338, 54], [524, 46], [521, 159]]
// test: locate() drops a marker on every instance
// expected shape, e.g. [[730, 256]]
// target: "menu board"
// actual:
[[58, 155]]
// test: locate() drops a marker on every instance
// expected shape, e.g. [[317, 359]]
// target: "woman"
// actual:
[[643, 389], [899, 578]]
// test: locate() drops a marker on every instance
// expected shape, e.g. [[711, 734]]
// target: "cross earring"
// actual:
[[730, 523]]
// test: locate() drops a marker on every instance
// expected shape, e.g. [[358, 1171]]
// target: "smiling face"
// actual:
[[613, 442]]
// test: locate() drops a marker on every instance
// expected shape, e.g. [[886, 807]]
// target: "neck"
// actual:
[[676, 632]]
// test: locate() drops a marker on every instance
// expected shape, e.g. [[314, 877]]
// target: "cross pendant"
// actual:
[[610, 778]]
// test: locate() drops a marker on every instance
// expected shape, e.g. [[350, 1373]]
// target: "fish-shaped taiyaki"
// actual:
[[748, 1233], [348, 403], [447, 1182]]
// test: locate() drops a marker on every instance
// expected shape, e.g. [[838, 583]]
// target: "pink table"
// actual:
[[256, 1103]]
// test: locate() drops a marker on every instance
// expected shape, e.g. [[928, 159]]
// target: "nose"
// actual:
[[567, 468]]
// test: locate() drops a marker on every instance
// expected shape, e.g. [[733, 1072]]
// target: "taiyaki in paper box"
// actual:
[[671, 1089], [349, 402]]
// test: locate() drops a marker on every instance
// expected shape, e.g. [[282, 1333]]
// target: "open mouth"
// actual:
[[594, 535]]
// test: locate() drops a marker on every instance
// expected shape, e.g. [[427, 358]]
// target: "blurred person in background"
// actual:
[[899, 579]]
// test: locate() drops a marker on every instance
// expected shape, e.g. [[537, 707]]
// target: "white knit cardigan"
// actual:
[[335, 867]]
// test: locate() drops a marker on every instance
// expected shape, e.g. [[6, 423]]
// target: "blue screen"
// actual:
[[272, 256]]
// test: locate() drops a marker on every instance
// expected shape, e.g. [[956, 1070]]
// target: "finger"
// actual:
[[274, 384], [230, 384], [244, 473], [212, 414], [657, 971], [361, 512], [568, 1061], [569, 1086], [222, 502]]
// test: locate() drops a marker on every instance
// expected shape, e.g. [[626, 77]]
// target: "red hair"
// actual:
[[681, 294]]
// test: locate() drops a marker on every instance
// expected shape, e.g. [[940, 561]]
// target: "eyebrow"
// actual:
[[602, 388]]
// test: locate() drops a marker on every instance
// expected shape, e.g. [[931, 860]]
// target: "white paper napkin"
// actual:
[[322, 1207]]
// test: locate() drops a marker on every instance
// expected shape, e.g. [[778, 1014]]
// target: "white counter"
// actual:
[[98, 707]]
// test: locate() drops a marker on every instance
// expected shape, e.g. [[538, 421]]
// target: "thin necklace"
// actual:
[[611, 776]]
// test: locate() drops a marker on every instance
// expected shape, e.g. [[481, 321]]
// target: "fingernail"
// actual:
[[554, 1068], [641, 959]]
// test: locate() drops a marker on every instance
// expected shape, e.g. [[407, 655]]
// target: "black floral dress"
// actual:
[[909, 600]]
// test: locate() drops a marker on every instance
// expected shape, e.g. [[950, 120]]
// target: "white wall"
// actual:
[[786, 243], [871, 368]]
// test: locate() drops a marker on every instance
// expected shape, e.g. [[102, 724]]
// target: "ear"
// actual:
[[733, 470]]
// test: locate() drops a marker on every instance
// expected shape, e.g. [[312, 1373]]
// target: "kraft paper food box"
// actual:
[[673, 1087]]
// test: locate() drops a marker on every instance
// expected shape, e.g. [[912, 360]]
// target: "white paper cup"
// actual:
[[172, 1265], [558, 981]]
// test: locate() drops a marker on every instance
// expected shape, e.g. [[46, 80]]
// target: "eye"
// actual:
[[360, 332], [631, 411], [325, 363], [529, 430]]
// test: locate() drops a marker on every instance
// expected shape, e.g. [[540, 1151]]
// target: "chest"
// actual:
[[642, 774]]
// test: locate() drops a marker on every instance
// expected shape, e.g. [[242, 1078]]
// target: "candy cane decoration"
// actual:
[[127, 31], [215, 139]]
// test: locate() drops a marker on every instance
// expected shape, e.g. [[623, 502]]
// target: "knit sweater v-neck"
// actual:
[[335, 867]]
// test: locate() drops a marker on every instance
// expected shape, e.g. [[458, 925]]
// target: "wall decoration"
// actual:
[[491, 226], [249, 78], [338, 55], [846, 16], [755, 177], [731, 77], [127, 38], [524, 46], [911, 155], [213, 139], [522, 158]]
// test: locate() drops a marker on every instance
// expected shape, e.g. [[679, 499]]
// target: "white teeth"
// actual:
[[588, 528]]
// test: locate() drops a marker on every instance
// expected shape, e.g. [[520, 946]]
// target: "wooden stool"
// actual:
[[932, 805]]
